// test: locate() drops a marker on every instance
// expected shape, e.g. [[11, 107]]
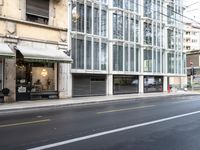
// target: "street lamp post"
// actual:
[[192, 73]]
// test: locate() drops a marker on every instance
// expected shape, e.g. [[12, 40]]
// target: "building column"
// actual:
[[165, 84], [64, 81], [9, 79], [141, 84], [109, 84]]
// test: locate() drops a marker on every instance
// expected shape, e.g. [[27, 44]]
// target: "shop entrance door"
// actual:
[[23, 82]]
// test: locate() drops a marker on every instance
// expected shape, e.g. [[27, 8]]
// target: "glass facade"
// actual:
[[89, 36], [128, 37]]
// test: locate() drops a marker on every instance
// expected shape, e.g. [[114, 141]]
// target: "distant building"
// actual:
[[191, 37], [192, 49]]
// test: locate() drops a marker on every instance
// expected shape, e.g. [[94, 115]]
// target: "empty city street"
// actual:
[[160, 123]]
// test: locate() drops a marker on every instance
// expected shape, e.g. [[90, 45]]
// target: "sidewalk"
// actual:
[[22, 105]]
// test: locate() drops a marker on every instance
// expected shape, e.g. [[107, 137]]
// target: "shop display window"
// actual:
[[43, 79]]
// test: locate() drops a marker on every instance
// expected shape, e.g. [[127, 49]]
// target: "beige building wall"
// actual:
[[14, 30], [13, 16]]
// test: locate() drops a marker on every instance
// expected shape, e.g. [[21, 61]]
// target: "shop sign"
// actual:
[[21, 89]]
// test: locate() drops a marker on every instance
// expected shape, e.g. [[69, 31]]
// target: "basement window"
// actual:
[[37, 11]]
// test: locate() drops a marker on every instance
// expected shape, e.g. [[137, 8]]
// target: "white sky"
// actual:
[[193, 9]]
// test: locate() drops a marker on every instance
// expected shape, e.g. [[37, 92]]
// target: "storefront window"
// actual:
[[153, 84], [43, 77], [125, 84], [35, 80]]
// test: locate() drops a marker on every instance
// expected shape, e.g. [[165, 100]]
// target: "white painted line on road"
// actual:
[[185, 101], [24, 123], [112, 131], [125, 109]]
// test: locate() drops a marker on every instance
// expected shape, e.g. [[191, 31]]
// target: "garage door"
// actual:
[[89, 85]]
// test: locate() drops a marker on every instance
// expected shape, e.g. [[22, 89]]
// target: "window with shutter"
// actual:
[[37, 11]]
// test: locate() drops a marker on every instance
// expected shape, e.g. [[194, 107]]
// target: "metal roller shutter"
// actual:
[[88, 85]]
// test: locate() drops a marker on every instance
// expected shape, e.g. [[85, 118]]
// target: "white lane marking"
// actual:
[[125, 109], [185, 101], [112, 131]]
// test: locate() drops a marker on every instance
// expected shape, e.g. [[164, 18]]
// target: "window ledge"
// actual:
[[33, 24]]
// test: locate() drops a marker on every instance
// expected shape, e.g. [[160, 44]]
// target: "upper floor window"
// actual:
[[37, 11], [118, 3]]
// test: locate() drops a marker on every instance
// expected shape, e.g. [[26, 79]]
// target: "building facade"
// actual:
[[33, 39], [125, 46], [117, 47], [191, 37], [192, 49]]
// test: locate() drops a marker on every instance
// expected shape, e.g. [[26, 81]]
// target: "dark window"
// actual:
[[37, 11]]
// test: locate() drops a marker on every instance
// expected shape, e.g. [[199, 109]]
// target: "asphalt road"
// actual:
[[162, 123]]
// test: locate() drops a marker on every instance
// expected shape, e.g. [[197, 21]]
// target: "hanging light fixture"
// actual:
[[44, 73]]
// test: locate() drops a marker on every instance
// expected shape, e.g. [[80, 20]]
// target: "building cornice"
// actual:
[[33, 24]]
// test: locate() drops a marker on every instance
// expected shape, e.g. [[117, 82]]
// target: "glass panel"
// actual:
[[78, 25], [96, 21], [103, 56], [89, 55], [158, 34], [132, 59], [118, 26], [153, 84], [137, 59], [137, 31], [132, 5], [126, 28], [118, 3], [154, 60], [125, 84], [126, 58], [78, 53], [103, 22], [158, 61], [147, 33], [147, 8], [43, 79], [117, 58], [89, 19], [132, 29], [170, 38], [96, 56], [147, 60], [154, 34]]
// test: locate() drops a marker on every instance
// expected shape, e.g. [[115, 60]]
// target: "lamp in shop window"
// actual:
[[44, 73]]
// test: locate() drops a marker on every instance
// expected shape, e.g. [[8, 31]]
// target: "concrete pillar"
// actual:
[[141, 84], [109, 84], [9, 79], [165, 84], [64, 81]]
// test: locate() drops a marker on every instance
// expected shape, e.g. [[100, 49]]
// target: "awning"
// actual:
[[43, 55], [5, 51]]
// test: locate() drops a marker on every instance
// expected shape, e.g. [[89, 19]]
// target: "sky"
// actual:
[[192, 10]]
